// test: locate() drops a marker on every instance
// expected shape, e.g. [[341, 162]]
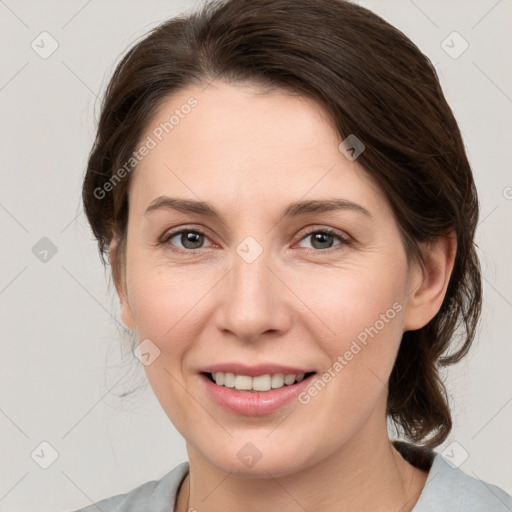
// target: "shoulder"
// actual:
[[156, 495], [449, 489]]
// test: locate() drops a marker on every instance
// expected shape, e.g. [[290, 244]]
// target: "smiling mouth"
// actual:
[[256, 384]]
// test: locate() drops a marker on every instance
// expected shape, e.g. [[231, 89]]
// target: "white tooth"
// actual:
[[261, 383], [229, 380], [243, 382], [289, 379], [277, 380]]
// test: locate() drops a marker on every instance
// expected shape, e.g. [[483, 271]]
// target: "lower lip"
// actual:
[[253, 403]]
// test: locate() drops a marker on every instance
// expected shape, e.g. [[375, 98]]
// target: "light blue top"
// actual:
[[447, 489]]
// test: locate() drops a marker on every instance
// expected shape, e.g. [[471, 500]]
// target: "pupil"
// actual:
[[321, 239], [191, 240]]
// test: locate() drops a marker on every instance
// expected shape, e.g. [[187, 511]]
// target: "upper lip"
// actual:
[[254, 370]]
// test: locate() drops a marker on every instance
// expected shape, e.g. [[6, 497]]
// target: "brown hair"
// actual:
[[373, 82]]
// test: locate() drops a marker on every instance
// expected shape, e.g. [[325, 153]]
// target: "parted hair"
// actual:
[[372, 81]]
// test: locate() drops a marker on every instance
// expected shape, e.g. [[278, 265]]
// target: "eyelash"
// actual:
[[344, 241]]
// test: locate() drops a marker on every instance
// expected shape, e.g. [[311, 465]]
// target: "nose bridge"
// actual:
[[254, 299], [252, 280]]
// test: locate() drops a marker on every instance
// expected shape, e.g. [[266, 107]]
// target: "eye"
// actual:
[[322, 239], [189, 239]]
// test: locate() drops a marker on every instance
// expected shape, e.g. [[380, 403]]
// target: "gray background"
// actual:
[[63, 362]]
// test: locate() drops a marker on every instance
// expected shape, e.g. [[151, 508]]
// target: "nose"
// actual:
[[254, 301]]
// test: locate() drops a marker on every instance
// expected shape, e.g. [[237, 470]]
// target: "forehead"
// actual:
[[227, 141]]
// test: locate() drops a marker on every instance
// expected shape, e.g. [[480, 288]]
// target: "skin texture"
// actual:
[[249, 155]]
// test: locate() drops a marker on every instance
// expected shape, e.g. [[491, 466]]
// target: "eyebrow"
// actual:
[[295, 209]]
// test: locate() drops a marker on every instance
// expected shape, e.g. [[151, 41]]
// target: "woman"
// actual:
[[289, 212]]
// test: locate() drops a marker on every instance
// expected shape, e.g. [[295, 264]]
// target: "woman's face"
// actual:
[[272, 278]]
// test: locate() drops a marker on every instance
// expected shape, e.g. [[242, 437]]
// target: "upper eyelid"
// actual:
[[171, 234], [333, 231]]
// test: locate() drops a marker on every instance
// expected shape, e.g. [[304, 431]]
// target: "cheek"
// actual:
[[162, 297], [349, 302], [166, 305], [170, 307], [361, 310], [366, 316]]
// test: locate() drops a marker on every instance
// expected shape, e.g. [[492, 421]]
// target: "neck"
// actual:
[[357, 477]]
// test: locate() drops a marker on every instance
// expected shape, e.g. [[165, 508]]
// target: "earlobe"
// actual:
[[116, 265], [431, 282]]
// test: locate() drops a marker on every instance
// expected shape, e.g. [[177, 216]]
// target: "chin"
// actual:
[[263, 459]]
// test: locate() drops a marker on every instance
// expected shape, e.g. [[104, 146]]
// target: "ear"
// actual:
[[120, 282], [429, 284]]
